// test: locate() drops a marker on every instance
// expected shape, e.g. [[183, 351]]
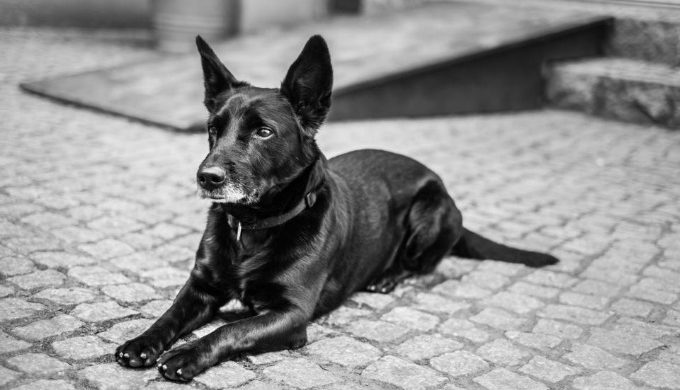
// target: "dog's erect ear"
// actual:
[[216, 76], [309, 82]]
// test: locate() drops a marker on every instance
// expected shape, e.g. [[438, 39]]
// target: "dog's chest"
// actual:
[[253, 275]]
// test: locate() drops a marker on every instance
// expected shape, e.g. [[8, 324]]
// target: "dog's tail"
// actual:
[[474, 246]]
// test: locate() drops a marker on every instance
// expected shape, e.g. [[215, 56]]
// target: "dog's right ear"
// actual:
[[216, 77]]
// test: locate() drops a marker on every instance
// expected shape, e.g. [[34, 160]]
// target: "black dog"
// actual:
[[291, 234]]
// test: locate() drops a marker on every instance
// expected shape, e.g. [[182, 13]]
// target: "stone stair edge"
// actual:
[[622, 68]]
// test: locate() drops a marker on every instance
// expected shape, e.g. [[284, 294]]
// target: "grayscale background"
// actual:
[[554, 124]]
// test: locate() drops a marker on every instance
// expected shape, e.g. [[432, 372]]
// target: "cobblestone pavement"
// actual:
[[99, 221]]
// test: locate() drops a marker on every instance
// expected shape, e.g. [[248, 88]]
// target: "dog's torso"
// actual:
[[374, 193], [352, 235]]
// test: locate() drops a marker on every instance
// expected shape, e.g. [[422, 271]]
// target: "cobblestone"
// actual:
[[111, 376], [345, 315], [156, 308], [268, 357], [11, 344], [93, 250], [375, 301], [632, 307], [575, 314], [534, 340], [518, 303], [596, 287], [376, 330], [649, 330], [622, 342], [226, 375], [548, 370], [587, 301], [97, 276], [16, 266], [66, 296], [436, 304], [552, 279], [427, 346], [502, 352], [648, 289], [123, 331], [344, 351], [300, 373], [604, 380], [103, 311], [411, 318], [84, 347], [534, 290], [37, 363], [166, 276], [500, 379], [403, 374], [133, 292], [487, 280], [659, 374], [455, 289], [497, 318], [593, 357], [47, 278], [46, 384], [260, 385], [61, 259], [5, 291], [48, 328], [13, 308], [7, 375], [459, 363], [464, 328], [558, 329]]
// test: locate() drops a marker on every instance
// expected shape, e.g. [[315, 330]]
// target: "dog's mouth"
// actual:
[[227, 193]]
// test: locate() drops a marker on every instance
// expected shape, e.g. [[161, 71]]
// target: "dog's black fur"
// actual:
[[377, 218]]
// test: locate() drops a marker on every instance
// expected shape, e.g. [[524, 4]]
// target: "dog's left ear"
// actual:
[[308, 84], [216, 77]]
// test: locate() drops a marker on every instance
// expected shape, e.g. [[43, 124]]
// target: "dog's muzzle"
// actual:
[[214, 185]]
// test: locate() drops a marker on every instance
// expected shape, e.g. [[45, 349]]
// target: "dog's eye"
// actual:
[[212, 130], [264, 132]]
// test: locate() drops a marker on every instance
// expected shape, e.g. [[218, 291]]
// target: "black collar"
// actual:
[[306, 202]]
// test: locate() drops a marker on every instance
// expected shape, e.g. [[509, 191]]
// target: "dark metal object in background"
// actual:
[[176, 22]]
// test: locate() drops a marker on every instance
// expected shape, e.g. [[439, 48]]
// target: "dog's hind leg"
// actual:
[[434, 224], [386, 282]]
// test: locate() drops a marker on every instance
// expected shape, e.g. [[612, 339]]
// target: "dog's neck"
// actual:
[[284, 197]]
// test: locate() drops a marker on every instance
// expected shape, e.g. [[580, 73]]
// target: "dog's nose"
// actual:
[[211, 177]]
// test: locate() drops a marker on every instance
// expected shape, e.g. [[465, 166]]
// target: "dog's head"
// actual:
[[262, 138]]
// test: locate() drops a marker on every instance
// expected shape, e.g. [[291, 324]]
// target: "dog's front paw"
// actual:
[[139, 352], [183, 363]]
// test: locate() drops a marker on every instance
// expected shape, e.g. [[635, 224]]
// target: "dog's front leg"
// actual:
[[195, 304], [273, 330], [193, 307]]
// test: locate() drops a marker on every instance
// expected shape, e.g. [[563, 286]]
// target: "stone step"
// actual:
[[648, 31], [620, 88], [437, 59]]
